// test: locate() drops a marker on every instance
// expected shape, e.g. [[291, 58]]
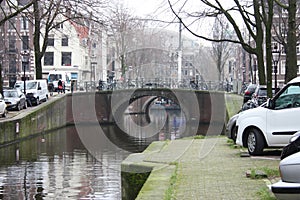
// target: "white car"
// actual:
[[271, 125], [3, 110], [289, 186]]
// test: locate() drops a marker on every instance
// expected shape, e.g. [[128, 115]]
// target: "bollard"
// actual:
[[17, 127]]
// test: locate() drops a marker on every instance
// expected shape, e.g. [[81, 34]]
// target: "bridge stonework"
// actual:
[[204, 110]]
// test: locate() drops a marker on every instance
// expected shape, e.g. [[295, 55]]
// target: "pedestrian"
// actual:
[[50, 88], [60, 86]]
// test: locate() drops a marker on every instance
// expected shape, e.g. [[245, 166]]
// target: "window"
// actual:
[[64, 41], [12, 64], [49, 58], [25, 42], [50, 41], [12, 43], [289, 98], [12, 24], [282, 67], [24, 23], [59, 26], [66, 58]]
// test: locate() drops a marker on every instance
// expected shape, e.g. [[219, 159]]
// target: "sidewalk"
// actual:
[[206, 169]]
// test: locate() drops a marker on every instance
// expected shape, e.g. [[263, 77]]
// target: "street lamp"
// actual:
[[275, 59], [25, 62]]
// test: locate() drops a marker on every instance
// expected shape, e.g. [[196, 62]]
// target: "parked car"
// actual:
[[36, 90], [288, 188], [292, 147], [14, 99], [231, 129], [271, 125], [3, 110], [260, 94], [249, 91]]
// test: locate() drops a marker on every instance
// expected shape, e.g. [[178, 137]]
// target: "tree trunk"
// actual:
[[259, 44], [1, 80], [36, 41], [291, 55], [269, 21]]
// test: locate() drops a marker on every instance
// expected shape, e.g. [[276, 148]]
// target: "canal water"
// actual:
[[58, 165]]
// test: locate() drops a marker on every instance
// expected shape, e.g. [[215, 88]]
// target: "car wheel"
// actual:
[[25, 104], [5, 113], [19, 107], [233, 133], [255, 142]]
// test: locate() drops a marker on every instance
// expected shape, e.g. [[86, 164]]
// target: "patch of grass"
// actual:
[[265, 194], [199, 137], [263, 172], [271, 173], [170, 191]]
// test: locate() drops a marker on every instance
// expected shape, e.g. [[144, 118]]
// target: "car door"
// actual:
[[283, 119]]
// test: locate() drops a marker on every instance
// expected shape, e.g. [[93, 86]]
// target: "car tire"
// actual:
[[234, 133], [5, 113], [19, 106], [25, 105], [255, 142]]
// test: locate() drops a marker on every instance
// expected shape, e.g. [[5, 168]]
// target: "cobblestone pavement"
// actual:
[[207, 168], [211, 169]]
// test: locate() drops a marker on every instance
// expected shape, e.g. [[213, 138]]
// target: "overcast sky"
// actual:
[[144, 7]]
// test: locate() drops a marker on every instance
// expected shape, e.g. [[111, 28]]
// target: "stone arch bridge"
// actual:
[[204, 109]]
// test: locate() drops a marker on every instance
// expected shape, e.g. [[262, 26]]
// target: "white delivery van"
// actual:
[[55, 76], [36, 90]]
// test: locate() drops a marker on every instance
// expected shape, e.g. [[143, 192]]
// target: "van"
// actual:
[[55, 76], [36, 90]]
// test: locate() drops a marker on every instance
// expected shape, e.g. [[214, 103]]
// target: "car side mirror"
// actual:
[[39, 88], [270, 104]]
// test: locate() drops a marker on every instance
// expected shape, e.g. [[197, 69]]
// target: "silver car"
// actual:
[[15, 99], [289, 185], [3, 110]]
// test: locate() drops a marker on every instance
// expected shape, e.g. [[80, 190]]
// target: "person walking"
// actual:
[[60, 86]]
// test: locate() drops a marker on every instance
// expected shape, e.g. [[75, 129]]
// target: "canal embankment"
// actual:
[[47, 116]]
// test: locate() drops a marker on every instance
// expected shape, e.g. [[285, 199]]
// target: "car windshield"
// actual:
[[10, 94], [31, 85], [54, 77], [288, 97], [262, 92]]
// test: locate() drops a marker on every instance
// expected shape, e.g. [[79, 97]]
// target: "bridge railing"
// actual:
[[152, 83]]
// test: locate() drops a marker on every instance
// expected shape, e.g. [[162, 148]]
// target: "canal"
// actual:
[[59, 165]]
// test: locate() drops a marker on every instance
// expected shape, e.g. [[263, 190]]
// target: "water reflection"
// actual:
[[58, 166]]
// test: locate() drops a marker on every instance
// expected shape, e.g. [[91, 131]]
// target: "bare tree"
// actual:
[[10, 9], [287, 34], [122, 25], [220, 50], [256, 16]]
